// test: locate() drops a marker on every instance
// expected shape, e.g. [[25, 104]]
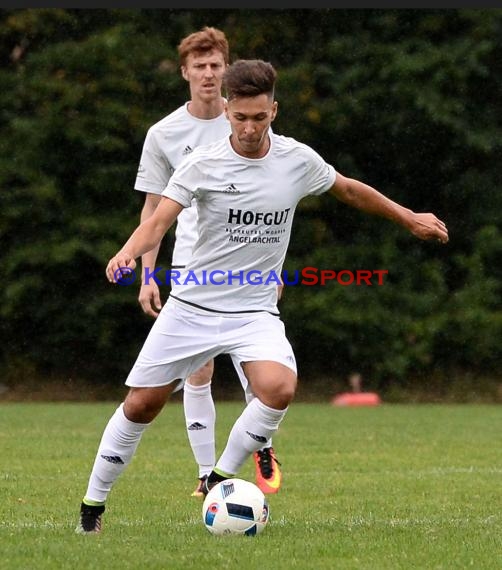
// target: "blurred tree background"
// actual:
[[406, 100]]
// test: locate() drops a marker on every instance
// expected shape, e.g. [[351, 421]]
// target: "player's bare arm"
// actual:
[[149, 293], [363, 197], [145, 237], [280, 289]]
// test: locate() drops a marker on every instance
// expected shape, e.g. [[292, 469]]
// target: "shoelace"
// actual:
[[265, 463]]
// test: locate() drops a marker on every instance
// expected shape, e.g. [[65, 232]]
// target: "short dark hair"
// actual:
[[249, 78], [203, 41]]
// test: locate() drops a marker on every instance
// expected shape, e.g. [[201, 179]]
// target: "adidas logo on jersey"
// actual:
[[188, 150], [231, 189]]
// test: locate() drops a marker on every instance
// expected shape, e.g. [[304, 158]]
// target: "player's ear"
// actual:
[[275, 106], [225, 109], [184, 73]]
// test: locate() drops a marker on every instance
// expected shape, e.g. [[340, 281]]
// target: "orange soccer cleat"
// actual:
[[268, 471]]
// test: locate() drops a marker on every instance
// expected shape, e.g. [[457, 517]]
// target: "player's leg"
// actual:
[[274, 385], [268, 472], [162, 361], [118, 444], [259, 343], [200, 418]]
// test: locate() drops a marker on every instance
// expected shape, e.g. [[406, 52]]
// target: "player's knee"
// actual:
[[280, 393], [287, 392], [142, 405]]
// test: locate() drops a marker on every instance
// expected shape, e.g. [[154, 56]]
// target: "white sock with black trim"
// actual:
[[249, 398], [200, 418], [116, 449], [251, 431]]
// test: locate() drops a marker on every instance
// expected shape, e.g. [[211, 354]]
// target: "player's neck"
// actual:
[[255, 153], [206, 109]]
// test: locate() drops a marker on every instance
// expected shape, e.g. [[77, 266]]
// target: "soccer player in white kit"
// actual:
[[247, 187], [204, 56]]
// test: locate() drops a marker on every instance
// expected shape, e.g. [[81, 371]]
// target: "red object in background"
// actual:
[[356, 399]]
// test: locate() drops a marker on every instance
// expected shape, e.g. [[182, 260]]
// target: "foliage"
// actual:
[[406, 100]]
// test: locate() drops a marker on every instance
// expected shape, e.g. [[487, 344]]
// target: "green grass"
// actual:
[[393, 487]]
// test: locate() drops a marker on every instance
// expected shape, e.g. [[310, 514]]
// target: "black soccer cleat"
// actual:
[[212, 480], [199, 492], [90, 519]]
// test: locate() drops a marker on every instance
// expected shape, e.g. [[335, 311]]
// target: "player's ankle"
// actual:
[[218, 475]]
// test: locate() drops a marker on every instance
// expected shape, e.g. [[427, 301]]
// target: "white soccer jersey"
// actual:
[[245, 213], [166, 144]]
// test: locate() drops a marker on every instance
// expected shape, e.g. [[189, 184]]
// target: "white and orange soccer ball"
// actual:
[[235, 506]]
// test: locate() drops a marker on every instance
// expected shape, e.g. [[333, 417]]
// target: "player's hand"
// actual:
[[149, 299], [117, 263], [427, 226]]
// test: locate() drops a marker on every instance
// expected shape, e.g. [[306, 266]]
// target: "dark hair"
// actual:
[[203, 41], [249, 78]]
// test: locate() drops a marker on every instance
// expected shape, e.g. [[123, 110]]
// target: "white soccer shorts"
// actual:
[[183, 338]]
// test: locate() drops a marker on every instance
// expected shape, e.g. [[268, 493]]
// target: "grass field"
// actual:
[[392, 487]]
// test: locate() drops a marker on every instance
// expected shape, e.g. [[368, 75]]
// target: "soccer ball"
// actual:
[[235, 506]]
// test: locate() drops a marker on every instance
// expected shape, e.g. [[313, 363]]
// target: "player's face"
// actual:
[[250, 119], [204, 72]]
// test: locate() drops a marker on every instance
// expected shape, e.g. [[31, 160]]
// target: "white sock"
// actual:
[[250, 397], [116, 449], [200, 418], [253, 428]]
